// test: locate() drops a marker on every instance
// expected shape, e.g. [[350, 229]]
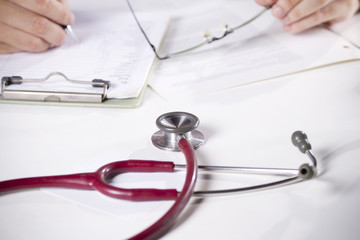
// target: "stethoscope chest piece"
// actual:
[[174, 125]]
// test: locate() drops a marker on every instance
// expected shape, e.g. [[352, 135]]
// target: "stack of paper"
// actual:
[[257, 52], [111, 47]]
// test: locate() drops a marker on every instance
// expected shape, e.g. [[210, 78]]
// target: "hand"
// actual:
[[299, 15], [32, 25]]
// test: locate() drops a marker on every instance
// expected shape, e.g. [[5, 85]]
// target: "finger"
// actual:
[[6, 49], [282, 7], [327, 13], [57, 11], [27, 21], [304, 9], [348, 8], [266, 3], [22, 40], [65, 2]]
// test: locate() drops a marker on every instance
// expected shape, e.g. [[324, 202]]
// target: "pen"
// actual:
[[68, 30]]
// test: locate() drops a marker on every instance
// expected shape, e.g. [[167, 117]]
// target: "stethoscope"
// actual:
[[177, 133]]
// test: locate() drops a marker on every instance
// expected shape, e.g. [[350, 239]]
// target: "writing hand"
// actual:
[[32, 25]]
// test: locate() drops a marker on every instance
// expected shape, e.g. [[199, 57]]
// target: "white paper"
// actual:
[[259, 51], [349, 29], [111, 47]]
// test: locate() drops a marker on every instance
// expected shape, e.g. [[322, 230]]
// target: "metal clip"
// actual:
[[53, 96]]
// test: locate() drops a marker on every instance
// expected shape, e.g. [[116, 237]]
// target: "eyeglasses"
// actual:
[[208, 38]]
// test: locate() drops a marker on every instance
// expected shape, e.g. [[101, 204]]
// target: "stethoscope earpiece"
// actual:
[[306, 171], [300, 140]]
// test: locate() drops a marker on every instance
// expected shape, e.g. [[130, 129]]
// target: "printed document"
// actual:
[[349, 29], [111, 47], [256, 52]]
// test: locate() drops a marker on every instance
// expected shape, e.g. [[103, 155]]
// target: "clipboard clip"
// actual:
[[53, 96]]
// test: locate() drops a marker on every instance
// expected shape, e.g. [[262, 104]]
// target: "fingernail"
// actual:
[[269, 2], [277, 12], [287, 28], [285, 20]]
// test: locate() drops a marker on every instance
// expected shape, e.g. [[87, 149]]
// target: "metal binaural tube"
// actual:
[[304, 172], [224, 192], [312, 157], [288, 172]]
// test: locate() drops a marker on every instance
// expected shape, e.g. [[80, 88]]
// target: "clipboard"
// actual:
[[64, 98], [124, 59]]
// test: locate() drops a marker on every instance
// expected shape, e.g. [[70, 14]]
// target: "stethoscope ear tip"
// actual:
[[306, 171], [300, 140]]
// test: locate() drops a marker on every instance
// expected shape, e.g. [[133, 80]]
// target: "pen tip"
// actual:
[[70, 31]]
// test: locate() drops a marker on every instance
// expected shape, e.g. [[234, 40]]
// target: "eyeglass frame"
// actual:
[[208, 37]]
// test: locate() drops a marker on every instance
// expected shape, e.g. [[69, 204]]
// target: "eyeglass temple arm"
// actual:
[[143, 32], [210, 39]]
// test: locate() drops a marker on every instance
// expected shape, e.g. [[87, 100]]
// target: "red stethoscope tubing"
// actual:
[[98, 181], [162, 225]]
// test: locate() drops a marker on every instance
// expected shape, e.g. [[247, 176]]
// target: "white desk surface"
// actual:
[[244, 126]]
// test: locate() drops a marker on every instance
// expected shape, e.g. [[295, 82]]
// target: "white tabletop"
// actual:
[[245, 126]]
